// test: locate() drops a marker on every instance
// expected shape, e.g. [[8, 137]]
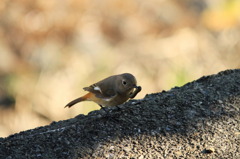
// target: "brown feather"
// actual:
[[80, 99]]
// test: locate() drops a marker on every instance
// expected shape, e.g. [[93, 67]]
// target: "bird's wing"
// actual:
[[101, 92], [104, 89]]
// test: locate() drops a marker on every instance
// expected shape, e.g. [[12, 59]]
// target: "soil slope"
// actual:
[[198, 120]]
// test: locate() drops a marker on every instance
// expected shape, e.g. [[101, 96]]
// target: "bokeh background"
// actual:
[[50, 50]]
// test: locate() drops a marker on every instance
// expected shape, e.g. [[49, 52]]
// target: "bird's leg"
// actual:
[[118, 107], [103, 108], [108, 116]]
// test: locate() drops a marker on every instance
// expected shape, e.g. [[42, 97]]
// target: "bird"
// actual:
[[111, 91]]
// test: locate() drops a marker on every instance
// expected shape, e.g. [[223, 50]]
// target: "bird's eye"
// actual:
[[124, 82]]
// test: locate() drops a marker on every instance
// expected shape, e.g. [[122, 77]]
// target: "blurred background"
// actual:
[[50, 50]]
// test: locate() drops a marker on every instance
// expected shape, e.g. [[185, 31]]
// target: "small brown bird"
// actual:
[[110, 91]]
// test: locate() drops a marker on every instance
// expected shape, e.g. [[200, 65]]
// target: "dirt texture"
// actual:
[[197, 120]]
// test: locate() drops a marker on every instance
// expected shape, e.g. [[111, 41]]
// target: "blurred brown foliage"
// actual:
[[49, 50]]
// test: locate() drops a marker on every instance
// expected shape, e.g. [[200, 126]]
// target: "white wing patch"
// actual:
[[96, 88], [107, 99]]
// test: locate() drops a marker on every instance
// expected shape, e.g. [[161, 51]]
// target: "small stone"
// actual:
[[111, 148], [237, 133], [127, 149], [208, 150], [141, 157], [178, 153]]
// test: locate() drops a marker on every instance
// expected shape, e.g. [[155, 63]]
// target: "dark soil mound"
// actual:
[[197, 120]]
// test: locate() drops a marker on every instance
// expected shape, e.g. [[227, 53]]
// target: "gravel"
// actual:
[[197, 120]]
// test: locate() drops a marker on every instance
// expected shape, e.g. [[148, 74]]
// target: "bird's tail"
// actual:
[[80, 99]]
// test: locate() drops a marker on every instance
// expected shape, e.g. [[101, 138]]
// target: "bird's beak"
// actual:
[[138, 88], [135, 86], [136, 91]]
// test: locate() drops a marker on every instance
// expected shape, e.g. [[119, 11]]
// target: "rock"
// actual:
[[198, 119], [208, 150]]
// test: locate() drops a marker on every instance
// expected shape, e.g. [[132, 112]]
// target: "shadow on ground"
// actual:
[[199, 119]]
